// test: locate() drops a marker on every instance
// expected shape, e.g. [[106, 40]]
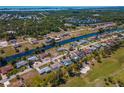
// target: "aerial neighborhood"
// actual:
[[50, 48]]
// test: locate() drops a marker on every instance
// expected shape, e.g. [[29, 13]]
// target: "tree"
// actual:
[[1, 60], [26, 49], [2, 51], [18, 77], [38, 50]]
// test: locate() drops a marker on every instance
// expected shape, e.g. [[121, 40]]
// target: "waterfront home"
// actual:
[[32, 58], [66, 62], [34, 41], [21, 63], [3, 43], [74, 44], [50, 41], [6, 69], [57, 39], [65, 34], [81, 42], [92, 38], [45, 70]]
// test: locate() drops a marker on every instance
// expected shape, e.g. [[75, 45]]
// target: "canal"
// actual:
[[27, 53]]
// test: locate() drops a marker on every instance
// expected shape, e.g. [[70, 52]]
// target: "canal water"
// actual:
[[27, 53]]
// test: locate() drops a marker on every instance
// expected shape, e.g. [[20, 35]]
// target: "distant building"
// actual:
[[67, 24], [10, 32]]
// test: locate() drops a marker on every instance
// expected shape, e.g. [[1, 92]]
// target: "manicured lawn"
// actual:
[[100, 71]]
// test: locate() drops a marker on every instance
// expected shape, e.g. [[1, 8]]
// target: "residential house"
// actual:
[[6, 69], [46, 60], [21, 63], [61, 49], [50, 41], [57, 58], [56, 66], [32, 58], [57, 39], [66, 62], [45, 70], [3, 43], [17, 45], [37, 64], [34, 41], [74, 57], [65, 34], [81, 42]]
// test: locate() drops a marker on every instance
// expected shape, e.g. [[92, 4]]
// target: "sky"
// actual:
[[61, 2]]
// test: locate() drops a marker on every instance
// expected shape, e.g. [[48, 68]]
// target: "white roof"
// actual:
[[3, 43], [85, 69]]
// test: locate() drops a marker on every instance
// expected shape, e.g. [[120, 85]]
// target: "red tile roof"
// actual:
[[6, 69]]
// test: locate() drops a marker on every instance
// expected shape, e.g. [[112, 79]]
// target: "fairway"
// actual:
[[95, 77]]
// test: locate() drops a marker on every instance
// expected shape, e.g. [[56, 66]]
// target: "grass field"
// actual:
[[95, 77]]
